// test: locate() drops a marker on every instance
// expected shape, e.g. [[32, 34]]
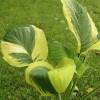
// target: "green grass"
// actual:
[[48, 15]]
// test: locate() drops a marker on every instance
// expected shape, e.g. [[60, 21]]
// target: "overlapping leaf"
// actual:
[[95, 48], [52, 79], [56, 52], [37, 76], [24, 45], [62, 76], [48, 79]]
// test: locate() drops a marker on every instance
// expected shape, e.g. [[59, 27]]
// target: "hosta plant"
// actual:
[[53, 68]]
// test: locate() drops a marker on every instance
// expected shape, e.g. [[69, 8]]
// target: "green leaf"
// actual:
[[80, 24], [24, 45], [56, 52], [94, 50], [85, 57], [81, 65], [81, 69], [95, 47]]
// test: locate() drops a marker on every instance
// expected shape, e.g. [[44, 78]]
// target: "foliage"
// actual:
[[27, 46]]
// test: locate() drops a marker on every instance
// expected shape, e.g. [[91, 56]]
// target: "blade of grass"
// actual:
[[90, 94]]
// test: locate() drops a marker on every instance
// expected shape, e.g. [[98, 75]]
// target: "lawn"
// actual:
[[48, 15]]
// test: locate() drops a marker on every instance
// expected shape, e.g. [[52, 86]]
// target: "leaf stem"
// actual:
[[72, 89], [59, 96]]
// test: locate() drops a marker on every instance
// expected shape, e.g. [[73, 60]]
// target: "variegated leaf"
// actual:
[[37, 76], [95, 46], [62, 75], [80, 24], [49, 80], [24, 45]]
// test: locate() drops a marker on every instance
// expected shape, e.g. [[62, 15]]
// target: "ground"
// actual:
[[48, 15]]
